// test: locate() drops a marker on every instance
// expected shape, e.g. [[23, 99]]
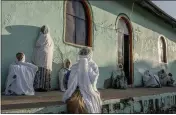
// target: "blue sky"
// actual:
[[168, 6]]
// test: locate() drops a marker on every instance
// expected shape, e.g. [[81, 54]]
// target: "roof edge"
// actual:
[[150, 6]]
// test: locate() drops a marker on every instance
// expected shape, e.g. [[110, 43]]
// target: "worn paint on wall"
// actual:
[[21, 21]]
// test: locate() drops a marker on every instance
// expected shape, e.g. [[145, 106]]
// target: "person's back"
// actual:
[[82, 95], [21, 76]]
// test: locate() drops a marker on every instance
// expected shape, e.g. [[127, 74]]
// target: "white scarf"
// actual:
[[43, 51], [85, 74], [23, 83]]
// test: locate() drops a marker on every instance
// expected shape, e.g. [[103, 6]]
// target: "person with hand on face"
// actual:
[[82, 95]]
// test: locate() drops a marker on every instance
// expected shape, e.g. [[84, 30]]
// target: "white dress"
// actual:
[[84, 74], [43, 51], [151, 80], [20, 79]]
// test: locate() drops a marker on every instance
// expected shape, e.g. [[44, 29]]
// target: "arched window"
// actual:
[[162, 50], [78, 26]]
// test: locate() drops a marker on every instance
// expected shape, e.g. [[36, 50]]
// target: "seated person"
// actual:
[[165, 79], [120, 80], [20, 77], [170, 80], [150, 80], [64, 75]]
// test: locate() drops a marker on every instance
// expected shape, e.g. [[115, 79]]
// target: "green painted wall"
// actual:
[[21, 21]]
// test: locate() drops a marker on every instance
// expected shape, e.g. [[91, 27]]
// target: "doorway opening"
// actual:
[[124, 40]]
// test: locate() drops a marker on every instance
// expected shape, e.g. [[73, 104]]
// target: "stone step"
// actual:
[[46, 102]]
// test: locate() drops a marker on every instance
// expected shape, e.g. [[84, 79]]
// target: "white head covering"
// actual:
[[43, 52], [86, 53], [85, 74], [23, 59]]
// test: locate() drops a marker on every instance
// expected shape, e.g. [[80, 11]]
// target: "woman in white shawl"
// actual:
[[43, 55], [150, 80], [165, 79], [82, 95], [20, 77]]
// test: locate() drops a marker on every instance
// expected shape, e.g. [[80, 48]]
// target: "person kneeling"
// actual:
[[20, 77]]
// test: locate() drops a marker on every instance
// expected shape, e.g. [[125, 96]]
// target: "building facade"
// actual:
[[117, 32]]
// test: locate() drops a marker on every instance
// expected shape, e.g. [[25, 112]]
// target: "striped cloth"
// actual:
[[42, 79]]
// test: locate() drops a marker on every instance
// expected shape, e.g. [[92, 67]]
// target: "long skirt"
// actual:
[[42, 80], [76, 105]]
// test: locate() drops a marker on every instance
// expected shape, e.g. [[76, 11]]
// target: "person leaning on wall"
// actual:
[[43, 56]]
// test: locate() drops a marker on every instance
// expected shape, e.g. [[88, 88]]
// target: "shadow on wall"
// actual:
[[172, 68], [21, 38], [139, 68], [55, 75], [105, 74]]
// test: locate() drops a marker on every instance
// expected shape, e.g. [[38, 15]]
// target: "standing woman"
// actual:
[[43, 56], [82, 95]]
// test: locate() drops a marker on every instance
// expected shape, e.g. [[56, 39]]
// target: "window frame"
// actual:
[[164, 43], [89, 23]]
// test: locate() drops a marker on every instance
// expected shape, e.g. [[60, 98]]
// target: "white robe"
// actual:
[[150, 80], [23, 83], [85, 75], [43, 51]]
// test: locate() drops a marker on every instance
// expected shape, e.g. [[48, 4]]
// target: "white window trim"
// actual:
[[159, 59]]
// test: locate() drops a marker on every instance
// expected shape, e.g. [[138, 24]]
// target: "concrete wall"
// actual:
[[21, 21]]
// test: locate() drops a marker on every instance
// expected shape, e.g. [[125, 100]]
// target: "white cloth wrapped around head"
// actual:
[[85, 75], [147, 73], [43, 51], [86, 53], [44, 29]]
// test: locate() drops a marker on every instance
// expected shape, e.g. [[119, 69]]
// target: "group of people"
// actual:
[[25, 78], [157, 81], [78, 82]]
